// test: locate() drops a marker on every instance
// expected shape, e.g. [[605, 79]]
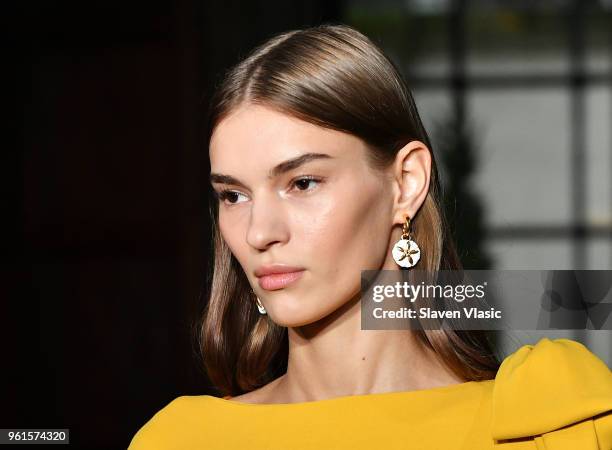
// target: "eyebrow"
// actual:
[[277, 170]]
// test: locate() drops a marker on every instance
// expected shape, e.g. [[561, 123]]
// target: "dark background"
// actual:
[[106, 239]]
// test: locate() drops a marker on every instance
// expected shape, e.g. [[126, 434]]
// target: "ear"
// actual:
[[411, 175]]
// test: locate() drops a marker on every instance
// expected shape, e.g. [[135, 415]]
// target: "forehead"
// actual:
[[255, 131]]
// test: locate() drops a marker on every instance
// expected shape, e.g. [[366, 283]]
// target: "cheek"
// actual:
[[233, 237], [348, 233]]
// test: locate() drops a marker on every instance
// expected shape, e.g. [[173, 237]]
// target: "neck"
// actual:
[[334, 357]]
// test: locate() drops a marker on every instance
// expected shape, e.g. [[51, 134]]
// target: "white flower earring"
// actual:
[[260, 307], [406, 252]]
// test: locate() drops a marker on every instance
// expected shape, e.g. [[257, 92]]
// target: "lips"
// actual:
[[277, 276], [279, 280]]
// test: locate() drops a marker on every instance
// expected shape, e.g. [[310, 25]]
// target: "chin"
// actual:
[[291, 322], [286, 316]]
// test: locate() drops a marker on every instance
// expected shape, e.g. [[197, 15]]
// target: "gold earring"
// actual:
[[260, 307], [406, 252]]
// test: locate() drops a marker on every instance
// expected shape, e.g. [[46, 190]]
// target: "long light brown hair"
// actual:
[[334, 77]]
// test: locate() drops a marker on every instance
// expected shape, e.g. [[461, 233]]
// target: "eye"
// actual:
[[303, 182], [229, 195]]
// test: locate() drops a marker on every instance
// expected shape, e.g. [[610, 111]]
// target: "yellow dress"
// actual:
[[554, 395]]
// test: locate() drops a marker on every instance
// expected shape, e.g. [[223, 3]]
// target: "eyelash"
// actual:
[[224, 194]]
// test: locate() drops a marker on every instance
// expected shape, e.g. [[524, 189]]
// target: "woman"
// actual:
[[320, 168]]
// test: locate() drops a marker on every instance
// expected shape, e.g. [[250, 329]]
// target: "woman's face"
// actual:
[[331, 215]]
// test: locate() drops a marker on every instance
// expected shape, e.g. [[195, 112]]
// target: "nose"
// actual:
[[267, 225]]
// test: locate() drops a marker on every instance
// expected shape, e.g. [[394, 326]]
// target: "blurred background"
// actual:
[[107, 235]]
